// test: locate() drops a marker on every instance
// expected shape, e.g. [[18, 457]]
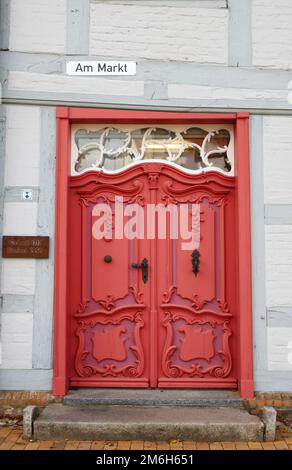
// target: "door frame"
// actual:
[[68, 115]]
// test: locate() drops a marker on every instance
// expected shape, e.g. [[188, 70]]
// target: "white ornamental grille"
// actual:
[[113, 148]]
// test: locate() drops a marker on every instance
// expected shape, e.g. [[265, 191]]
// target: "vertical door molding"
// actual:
[[60, 376], [245, 383]]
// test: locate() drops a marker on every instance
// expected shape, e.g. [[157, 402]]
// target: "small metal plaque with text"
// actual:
[[25, 247]]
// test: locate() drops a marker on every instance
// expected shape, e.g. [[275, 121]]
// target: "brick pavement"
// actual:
[[11, 439]]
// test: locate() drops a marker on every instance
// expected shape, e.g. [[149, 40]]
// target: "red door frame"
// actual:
[[67, 116]]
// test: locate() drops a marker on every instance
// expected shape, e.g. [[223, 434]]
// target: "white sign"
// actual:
[[290, 93], [100, 68], [27, 195]]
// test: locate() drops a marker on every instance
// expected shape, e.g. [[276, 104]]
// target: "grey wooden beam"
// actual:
[[280, 317], [222, 4], [44, 293], [258, 245], [17, 303], [130, 102], [14, 194], [26, 379], [273, 381], [240, 35], [78, 27], [154, 90], [158, 106], [278, 214]]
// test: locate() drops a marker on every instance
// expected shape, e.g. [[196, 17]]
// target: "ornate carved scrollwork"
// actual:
[[186, 366], [174, 195], [153, 180], [195, 302], [109, 303], [109, 366], [96, 149], [108, 194]]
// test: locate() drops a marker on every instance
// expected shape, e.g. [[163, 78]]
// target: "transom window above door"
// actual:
[[112, 147]]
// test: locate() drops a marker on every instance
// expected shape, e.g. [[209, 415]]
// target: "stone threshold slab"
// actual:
[[59, 422]]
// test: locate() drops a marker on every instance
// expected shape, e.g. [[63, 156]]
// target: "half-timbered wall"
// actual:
[[206, 55]]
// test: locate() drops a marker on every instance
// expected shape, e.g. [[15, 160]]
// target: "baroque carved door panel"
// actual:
[[197, 313], [109, 302]]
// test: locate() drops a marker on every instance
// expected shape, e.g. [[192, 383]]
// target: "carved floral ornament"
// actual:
[[112, 148]]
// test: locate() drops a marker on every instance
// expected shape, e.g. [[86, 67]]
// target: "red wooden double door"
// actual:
[[147, 310]]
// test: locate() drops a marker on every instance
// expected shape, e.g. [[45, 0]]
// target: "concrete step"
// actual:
[[155, 397], [59, 422]]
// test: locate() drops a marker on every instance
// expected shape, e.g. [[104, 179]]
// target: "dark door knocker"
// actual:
[[144, 267], [196, 261]]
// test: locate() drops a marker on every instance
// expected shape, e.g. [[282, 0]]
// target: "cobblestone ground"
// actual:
[[11, 439]]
